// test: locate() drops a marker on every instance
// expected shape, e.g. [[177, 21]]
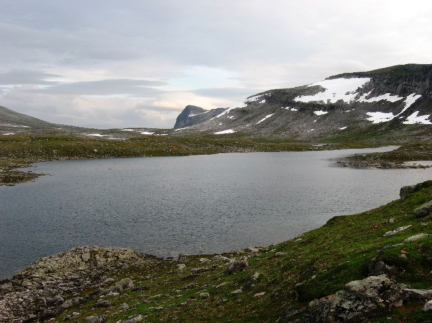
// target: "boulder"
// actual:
[[423, 210], [357, 301], [237, 266], [404, 191]]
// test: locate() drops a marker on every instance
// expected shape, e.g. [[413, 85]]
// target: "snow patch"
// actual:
[[147, 133], [378, 117], [223, 132], [265, 118], [335, 90], [8, 133], [179, 129], [343, 128], [386, 97], [127, 129], [416, 119], [262, 101], [320, 113], [95, 135]]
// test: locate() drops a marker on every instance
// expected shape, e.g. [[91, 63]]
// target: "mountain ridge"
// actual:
[[385, 98]]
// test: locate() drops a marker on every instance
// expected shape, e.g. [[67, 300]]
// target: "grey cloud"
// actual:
[[26, 77], [104, 87]]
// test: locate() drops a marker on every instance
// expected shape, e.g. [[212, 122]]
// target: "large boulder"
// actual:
[[358, 300], [404, 191]]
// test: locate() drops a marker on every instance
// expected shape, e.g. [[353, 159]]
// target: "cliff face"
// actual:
[[384, 99]]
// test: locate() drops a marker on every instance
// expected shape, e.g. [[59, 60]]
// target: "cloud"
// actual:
[[77, 59], [26, 77], [104, 87]]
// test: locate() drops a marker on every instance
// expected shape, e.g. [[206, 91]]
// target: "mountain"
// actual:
[[384, 101], [192, 115]]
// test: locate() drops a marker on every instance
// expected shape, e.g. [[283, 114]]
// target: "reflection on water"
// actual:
[[196, 204]]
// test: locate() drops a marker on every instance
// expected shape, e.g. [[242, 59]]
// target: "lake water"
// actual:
[[195, 204]]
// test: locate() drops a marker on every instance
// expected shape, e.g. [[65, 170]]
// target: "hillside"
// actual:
[[381, 103]]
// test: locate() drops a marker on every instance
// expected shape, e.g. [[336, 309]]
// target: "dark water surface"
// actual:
[[196, 204]]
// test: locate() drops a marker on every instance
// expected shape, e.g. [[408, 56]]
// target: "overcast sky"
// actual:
[[138, 63]]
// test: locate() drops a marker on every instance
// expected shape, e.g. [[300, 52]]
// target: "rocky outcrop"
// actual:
[[357, 301], [44, 289]]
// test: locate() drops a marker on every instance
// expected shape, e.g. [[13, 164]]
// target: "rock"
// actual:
[[188, 286], [72, 302], [357, 301], [102, 303], [181, 266], [423, 210], [204, 295], [221, 258], [222, 285], [280, 254], [427, 307], [125, 283], [252, 250], [237, 291], [124, 307], [204, 260], [259, 294], [392, 232], [134, 318], [417, 237], [95, 319], [404, 191], [377, 268], [236, 266], [417, 294]]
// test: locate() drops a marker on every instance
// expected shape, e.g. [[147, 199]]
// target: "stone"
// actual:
[[102, 303], [423, 210], [237, 266], [124, 307], [134, 319], [181, 266], [357, 301], [252, 250], [259, 294], [221, 258], [392, 232], [125, 283], [237, 291], [417, 237], [222, 285], [280, 254], [204, 295], [427, 307], [204, 260], [404, 191], [377, 268], [417, 294]]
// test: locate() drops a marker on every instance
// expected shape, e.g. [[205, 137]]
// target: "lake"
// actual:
[[196, 204]]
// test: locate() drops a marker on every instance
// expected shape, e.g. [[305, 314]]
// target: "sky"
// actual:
[[138, 63]]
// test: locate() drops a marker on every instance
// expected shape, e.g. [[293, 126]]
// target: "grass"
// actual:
[[292, 273]]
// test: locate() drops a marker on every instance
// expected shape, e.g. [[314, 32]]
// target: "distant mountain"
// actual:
[[193, 115], [379, 101]]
